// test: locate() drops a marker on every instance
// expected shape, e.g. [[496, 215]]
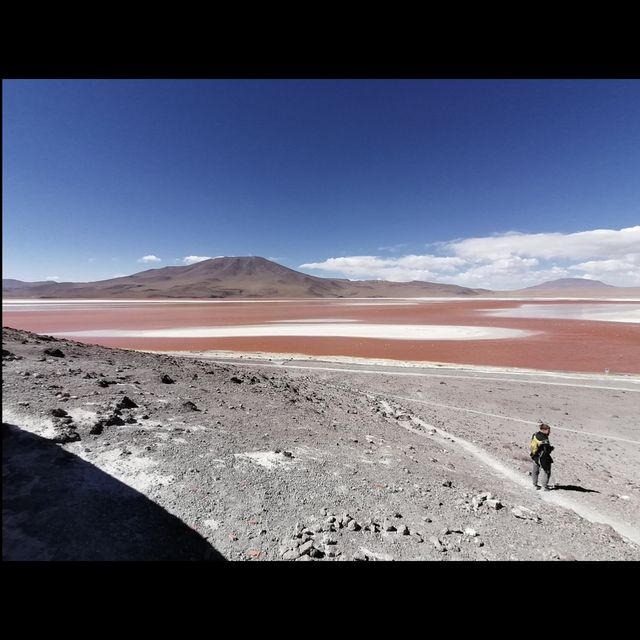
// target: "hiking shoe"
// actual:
[[547, 488], [536, 487]]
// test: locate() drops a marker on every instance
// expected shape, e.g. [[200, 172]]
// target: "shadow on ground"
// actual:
[[573, 487], [57, 506]]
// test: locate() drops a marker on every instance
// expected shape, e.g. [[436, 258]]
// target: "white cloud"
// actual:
[[149, 259], [55, 278], [507, 261], [599, 243], [392, 248], [194, 259]]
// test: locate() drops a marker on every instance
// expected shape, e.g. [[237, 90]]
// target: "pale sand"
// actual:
[[357, 330]]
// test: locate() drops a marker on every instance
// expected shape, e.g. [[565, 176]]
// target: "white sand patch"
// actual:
[[319, 330], [42, 427], [578, 311], [82, 416], [316, 320], [212, 524], [132, 470], [378, 303], [267, 459]]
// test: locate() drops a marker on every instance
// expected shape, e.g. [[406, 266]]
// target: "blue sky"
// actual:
[[499, 184]]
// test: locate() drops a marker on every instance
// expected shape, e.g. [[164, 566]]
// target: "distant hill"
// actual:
[[572, 288], [229, 277], [9, 284], [571, 283]]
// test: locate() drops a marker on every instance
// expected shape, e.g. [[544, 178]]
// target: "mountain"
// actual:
[[9, 284], [229, 277], [572, 288], [570, 283]]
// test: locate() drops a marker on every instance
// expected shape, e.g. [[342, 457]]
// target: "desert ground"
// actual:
[[111, 453]]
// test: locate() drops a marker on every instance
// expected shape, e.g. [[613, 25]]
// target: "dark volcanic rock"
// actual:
[[58, 413], [56, 353], [190, 406], [167, 379], [126, 403]]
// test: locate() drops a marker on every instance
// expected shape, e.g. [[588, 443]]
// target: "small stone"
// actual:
[[167, 379], [436, 543], [494, 504], [387, 525], [56, 353], [292, 554], [126, 403], [58, 413], [303, 558], [190, 406], [236, 379], [403, 530], [66, 435], [470, 532], [353, 526], [305, 548], [524, 513], [316, 553]]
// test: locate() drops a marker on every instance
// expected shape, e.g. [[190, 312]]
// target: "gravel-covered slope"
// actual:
[[115, 454]]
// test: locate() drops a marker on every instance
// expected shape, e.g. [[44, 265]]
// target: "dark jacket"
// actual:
[[543, 455]]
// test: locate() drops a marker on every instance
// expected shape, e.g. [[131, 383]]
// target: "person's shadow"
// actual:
[[57, 506], [573, 487]]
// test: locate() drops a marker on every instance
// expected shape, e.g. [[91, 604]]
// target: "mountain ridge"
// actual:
[[231, 277]]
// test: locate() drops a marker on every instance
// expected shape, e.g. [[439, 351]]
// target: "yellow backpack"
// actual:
[[534, 445]]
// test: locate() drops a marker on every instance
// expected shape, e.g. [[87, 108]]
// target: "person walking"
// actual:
[[541, 455]]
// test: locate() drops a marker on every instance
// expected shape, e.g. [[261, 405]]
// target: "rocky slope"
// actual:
[[115, 454]]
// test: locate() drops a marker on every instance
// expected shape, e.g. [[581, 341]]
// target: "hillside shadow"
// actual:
[[573, 487], [57, 506]]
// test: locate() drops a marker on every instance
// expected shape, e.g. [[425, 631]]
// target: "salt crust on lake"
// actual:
[[343, 330]]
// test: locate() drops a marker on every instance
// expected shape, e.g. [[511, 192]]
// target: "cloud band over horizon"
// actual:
[[510, 260]]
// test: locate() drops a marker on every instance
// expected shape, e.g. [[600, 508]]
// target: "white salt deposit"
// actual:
[[319, 330], [602, 312]]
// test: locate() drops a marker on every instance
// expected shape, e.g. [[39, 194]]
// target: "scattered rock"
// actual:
[[167, 379], [306, 547], [436, 543], [524, 513], [59, 413], [236, 379], [387, 525], [65, 435], [126, 403], [55, 353], [190, 406]]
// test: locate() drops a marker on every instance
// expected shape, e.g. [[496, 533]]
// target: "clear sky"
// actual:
[[499, 184]]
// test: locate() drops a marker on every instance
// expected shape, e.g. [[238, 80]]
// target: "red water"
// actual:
[[561, 345]]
